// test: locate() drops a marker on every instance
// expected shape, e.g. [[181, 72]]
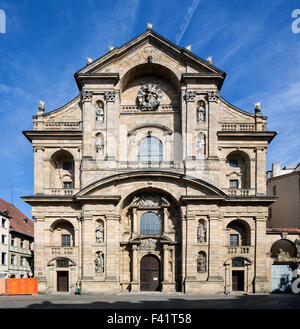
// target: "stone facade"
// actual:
[[149, 179]]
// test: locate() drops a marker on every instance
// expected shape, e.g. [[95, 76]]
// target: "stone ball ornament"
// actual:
[[149, 97]]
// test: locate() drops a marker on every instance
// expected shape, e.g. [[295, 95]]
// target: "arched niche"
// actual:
[[239, 233], [238, 169], [62, 170], [283, 248], [62, 234], [150, 73]]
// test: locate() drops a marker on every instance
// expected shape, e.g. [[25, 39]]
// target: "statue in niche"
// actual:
[[283, 254], [201, 145], [99, 144], [100, 112], [100, 233], [99, 262], [201, 113], [201, 232], [201, 263]]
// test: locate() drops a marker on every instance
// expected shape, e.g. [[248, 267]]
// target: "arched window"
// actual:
[[150, 223], [150, 150]]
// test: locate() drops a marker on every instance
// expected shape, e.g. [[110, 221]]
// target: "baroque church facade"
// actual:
[[149, 180]]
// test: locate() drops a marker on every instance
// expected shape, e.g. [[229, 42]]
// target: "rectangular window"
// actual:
[[3, 239], [22, 261], [3, 222], [274, 190], [234, 183], [234, 239], [68, 185], [3, 258], [12, 241], [22, 244], [66, 240], [67, 165], [62, 263], [12, 259]]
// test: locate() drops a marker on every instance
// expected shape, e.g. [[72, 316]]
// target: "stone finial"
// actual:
[[41, 107], [89, 61], [257, 105], [209, 59], [189, 47], [257, 109], [110, 48], [149, 26]]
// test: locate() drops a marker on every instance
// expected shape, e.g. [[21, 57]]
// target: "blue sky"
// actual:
[[46, 42]]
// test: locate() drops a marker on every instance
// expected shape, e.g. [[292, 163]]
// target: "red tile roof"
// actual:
[[16, 220]]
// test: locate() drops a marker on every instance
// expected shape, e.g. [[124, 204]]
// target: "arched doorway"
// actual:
[[150, 273]]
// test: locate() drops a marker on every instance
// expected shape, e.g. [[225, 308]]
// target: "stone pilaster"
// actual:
[[87, 114], [260, 276], [215, 249], [190, 96], [261, 171], [112, 248], [38, 170], [112, 127], [134, 268], [213, 99]]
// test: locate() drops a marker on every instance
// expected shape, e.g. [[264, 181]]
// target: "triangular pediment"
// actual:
[[152, 44]]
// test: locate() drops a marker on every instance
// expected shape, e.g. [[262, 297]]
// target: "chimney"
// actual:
[[276, 169]]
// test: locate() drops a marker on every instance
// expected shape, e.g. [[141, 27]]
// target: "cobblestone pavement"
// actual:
[[151, 301]]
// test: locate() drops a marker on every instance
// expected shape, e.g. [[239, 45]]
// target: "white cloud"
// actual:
[[186, 20]]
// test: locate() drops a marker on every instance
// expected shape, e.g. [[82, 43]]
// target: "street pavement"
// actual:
[[151, 301]]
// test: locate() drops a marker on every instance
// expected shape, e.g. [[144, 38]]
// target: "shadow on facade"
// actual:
[[238, 302]]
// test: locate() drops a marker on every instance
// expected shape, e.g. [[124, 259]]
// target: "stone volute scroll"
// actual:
[[110, 96], [99, 262], [86, 95]]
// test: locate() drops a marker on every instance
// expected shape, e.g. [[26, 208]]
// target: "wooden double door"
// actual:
[[150, 273]]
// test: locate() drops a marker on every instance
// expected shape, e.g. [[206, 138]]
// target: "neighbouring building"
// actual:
[[4, 234], [149, 179], [19, 242], [283, 225]]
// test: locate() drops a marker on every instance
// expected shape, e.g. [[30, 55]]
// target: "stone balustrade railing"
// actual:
[[239, 250], [63, 250], [60, 191], [62, 126], [239, 192], [238, 127], [152, 164]]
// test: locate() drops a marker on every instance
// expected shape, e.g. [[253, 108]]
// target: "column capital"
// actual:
[[86, 95], [213, 96], [110, 96], [190, 95]]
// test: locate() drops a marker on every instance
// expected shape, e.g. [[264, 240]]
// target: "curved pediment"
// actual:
[[154, 178]]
